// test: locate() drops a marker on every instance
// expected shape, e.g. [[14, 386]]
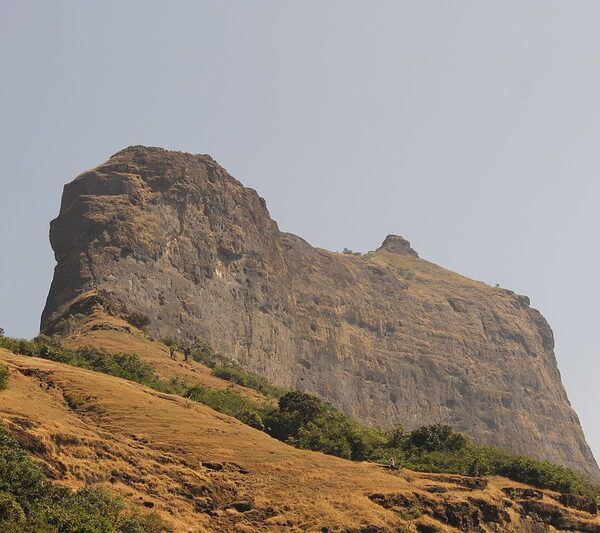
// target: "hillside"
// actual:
[[388, 338], [205, 471]]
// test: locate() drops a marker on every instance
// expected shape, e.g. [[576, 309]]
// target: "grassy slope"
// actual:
[[93, 428], [116, 335], [152, 446]]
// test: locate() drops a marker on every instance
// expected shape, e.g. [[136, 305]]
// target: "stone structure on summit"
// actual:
[[388, 338]]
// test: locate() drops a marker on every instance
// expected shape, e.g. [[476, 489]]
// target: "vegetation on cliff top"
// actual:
[[305, 421]]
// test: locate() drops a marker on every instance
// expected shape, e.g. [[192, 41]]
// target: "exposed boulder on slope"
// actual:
[[387, 339]]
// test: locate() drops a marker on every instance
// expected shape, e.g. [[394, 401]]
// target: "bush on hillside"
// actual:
[[170, 341], [437, 437], [395, 436], [202, 352], [123, 365], [307, 422], [30, 502], [250, 380], [347, 251], [251, 418], [229, 402], [67, 325], [4, 374], [139, 320]]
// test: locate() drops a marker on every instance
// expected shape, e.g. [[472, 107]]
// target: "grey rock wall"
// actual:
[[388, 339]]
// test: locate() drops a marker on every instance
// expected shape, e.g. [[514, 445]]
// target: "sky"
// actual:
[[470, 127]]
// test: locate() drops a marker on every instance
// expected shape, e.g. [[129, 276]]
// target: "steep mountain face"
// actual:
[[388, 338]]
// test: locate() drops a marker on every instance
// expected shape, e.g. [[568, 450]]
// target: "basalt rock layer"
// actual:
[[387, 338]]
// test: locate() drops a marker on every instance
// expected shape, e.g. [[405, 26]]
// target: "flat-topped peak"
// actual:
[[396, 244]]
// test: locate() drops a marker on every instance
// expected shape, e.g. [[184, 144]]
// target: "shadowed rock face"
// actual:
[[388, 338]]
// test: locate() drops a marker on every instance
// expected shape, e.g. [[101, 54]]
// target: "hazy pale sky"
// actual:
[[471, 127]]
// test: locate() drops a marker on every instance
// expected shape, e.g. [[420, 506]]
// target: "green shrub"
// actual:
[[396, 437], [229, 402], [138, 320], [251, 418], [67, 325], [10, 510], [170, 341], [307, 422], [123, 365], [248, 379], [29, 502], [304, 406], [202, 352], [347, 251], [4, 374], [438, 437]]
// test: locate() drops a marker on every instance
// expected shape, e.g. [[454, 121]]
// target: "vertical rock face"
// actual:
[[388, 338]]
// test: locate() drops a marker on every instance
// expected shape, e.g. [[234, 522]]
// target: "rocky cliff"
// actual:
[[388, 338]]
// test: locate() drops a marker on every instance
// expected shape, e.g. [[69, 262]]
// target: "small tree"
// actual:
[[67, 325], [1, 332], [202, 352], [396, 436], [305, 406], [138, 320], [437, 437], [170, 341]]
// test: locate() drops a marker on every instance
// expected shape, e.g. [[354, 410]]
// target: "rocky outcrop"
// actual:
[[397, 245], [388, 338]]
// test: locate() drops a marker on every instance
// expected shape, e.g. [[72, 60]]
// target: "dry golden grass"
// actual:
[[202, 470]]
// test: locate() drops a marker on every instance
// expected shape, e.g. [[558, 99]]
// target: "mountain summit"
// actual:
[[397, 245], [387, 338]]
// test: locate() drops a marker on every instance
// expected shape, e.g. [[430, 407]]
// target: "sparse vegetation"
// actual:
[[410, 513], [4, 374], [227, 369], [29, 502], [139, 320], [170, 341], [405, 272], [202, 352], [67, 325], [347, 251], [236, 374], [230, 402], [123, 365]]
